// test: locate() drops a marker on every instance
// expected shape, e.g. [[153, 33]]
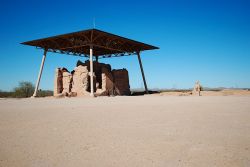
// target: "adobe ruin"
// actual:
[[77, 82], [90, 43], [197, 88]]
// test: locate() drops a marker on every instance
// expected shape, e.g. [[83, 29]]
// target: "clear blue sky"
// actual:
[[206, 40]]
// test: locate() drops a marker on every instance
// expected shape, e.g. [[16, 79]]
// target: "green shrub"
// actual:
[[24, 90]]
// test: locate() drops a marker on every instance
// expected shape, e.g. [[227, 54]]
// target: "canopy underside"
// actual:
[[78, 44]]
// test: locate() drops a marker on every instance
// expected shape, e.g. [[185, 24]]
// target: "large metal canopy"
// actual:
[[104, 44], [89, 43]]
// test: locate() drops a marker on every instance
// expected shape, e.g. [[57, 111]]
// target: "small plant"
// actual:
[[24, 89]]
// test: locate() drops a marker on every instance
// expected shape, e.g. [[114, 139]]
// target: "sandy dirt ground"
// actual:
[[161, 131], [225, 92]]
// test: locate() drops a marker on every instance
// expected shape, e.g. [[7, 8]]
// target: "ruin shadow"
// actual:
[[142, 93]]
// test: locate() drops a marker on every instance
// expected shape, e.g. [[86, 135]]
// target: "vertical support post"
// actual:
[[91, 71], [40, 73], [142, 72]]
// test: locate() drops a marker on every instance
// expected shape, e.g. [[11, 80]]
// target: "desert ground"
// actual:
[[152, 130]]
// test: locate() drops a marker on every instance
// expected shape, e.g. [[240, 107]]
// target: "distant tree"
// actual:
[[24, 89]]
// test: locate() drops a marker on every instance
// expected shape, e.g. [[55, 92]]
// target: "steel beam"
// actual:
[[40, 73], [142, 72], [91, 71]]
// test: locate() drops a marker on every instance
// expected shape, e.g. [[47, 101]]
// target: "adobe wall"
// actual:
[[77, 83]]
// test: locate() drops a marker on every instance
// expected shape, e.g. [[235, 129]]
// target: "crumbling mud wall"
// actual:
[[66, 81], [58, 85], [121, 82], [62, 82], [107, 81], [197, 88], [77, 83], [80, 81]]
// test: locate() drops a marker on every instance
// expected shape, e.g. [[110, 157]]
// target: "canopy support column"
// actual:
[[91, 71], [142, 72], [40, 73]]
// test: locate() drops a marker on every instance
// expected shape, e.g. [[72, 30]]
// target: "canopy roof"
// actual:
[[78, 43]]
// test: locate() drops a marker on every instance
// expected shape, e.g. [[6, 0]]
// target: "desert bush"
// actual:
[[25, 89]]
